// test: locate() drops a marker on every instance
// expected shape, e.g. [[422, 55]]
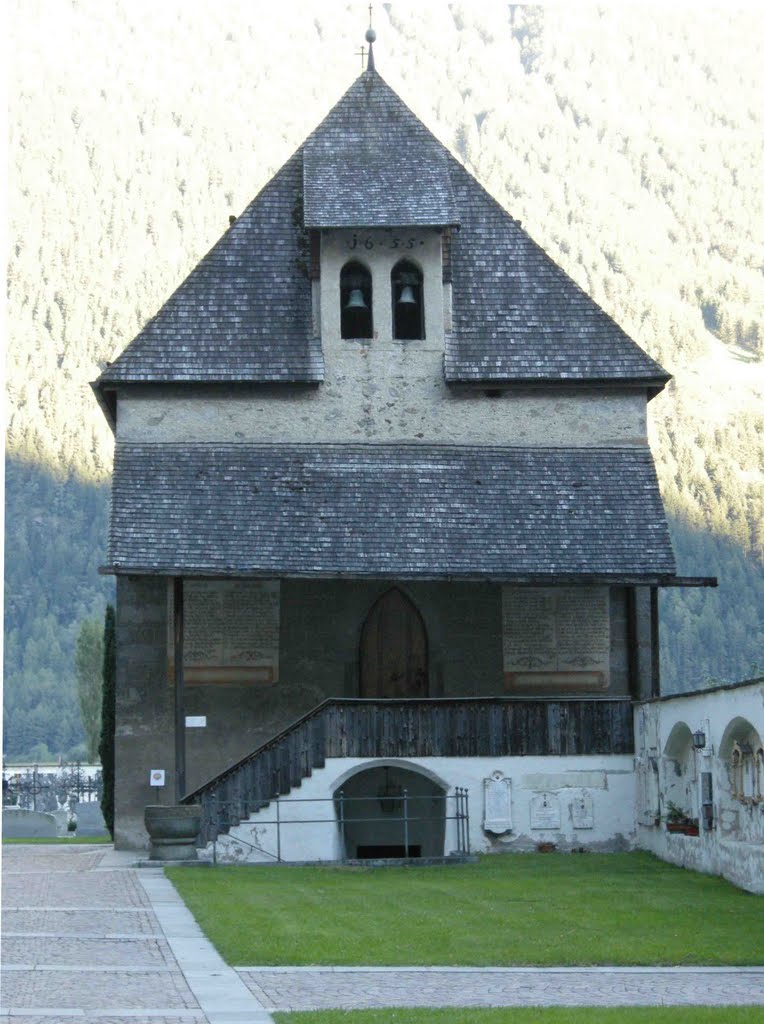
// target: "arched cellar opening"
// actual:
[[389, 811]]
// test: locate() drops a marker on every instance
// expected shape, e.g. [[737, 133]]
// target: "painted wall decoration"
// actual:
[[231, 631], [556, 639]]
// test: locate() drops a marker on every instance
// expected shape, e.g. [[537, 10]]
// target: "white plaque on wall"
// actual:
[[545, 811], [648, 792], [582, 810], [556, 638], [497, 804], [230, 631]]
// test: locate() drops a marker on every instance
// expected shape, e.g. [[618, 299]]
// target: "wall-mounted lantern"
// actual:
[[698, 739]]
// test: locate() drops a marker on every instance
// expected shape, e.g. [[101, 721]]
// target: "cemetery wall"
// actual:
[[719, 785]]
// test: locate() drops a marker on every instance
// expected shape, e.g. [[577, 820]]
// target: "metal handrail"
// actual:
[[460, 796]]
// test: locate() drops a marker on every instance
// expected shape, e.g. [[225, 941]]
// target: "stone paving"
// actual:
[[87, 938], [314, 988]]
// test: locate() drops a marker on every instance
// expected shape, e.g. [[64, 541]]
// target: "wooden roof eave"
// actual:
[[551, 579]]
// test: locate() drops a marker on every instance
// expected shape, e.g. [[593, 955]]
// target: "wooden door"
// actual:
[[393, 653]]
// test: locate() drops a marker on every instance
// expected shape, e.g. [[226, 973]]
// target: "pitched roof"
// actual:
[[372, 163], [403, 511], [517, 316], [244, 313]]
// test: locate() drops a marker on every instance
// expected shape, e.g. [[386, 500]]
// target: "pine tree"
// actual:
[[88, 660], [108, 718]]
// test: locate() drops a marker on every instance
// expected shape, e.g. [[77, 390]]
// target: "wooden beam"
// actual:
[[180, 688], [632, 643], [655, 650]]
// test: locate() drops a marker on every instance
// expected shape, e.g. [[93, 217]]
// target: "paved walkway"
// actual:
[[88, 938], [316, 988]]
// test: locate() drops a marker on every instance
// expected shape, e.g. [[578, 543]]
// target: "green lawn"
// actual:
[[52, 840], [537, 1015], [518, 909]]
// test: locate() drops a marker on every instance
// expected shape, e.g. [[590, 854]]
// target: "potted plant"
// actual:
[[678, 820]]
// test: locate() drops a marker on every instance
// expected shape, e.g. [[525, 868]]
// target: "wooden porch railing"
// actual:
[[435, 727]]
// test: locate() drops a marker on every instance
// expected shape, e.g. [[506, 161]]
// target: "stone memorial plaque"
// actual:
[[556, 638], [231, 631], [497, 804], [582, 810], [545, 811], [648, 792]]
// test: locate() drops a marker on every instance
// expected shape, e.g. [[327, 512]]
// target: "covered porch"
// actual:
[[493, 602]]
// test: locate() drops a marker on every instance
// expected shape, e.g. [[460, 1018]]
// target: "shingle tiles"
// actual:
[[244, 313], [517, 316], [372, 163], [387, 510]]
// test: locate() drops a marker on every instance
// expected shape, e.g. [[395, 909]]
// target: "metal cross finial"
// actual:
[[371, 35]]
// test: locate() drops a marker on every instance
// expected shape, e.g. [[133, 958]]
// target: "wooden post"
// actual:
[[655, 642], [631, 644], [180, 696]]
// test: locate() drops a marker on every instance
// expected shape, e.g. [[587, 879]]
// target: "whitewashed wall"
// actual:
[[595, 795], [669, 769]]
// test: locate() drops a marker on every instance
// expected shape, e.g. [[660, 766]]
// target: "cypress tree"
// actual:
[[108, 718]]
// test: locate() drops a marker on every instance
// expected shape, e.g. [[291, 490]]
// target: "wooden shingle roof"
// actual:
[[401, 511], [244, 313], [518, 317], [372, 163]]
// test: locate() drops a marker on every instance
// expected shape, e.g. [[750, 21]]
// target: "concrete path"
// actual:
[[318, 988], [86, 938]]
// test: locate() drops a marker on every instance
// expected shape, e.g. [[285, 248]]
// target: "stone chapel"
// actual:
[[386, 527]]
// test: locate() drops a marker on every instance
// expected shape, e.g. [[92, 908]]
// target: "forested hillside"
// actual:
[[629, 142]]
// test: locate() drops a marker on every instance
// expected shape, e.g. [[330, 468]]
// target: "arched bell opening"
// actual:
[[408, 301], [388, 811], [393, 649], [355, 301]]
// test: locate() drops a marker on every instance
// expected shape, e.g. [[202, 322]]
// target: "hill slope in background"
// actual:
[[629, 143]]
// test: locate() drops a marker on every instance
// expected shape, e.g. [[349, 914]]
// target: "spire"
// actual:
[[371, 36]]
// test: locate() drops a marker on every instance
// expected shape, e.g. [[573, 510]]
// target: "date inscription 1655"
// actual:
[[393, 242]]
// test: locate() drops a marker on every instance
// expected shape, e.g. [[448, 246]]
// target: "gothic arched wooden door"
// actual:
[[393, 654]]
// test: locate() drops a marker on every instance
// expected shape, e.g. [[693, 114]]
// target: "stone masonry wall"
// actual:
[[321, 623], [145, 705]]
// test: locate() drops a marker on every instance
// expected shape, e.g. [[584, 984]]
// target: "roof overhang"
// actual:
[[107, 400], [523, 515], [614, 580], [652, 385]]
